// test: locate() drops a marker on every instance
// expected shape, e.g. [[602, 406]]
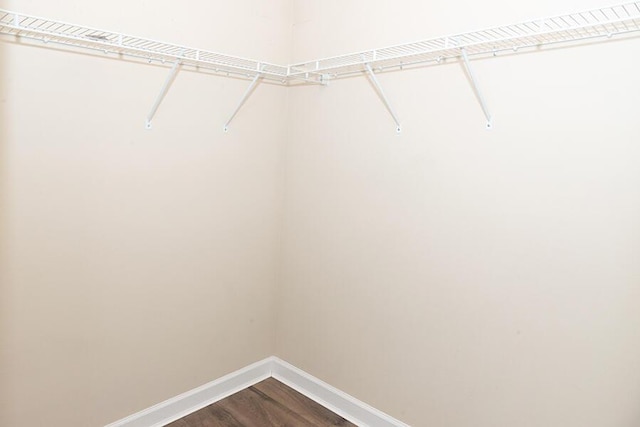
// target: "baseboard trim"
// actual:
[[330, 397], [191, 401], [326, 395]]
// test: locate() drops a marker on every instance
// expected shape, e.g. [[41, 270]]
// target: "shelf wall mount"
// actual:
[[244, 98], [383, 96], [163, 92], [476, 87]]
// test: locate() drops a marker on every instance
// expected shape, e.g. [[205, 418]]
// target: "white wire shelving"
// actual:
[[569, 29], [78, 36], [592, 24], [82, 37]]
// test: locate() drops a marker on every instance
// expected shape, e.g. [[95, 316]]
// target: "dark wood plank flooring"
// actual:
[[268, 403]]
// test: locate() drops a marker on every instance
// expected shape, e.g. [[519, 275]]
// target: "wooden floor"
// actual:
[[268, 403]]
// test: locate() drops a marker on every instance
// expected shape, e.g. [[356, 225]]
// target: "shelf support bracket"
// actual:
[[247, 94], [163, 92], [383, 97], [476, 87]]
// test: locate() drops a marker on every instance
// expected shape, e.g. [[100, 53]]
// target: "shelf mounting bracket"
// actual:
[[163, 92], [476, 87], [383, 97], [247, 94]]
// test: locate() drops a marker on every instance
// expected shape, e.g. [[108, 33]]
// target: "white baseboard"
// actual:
[[186, 403], [331, 398], [337, 401]]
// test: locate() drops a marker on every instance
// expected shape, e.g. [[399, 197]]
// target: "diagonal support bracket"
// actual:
[[476, 87], [246, 96], [383, 97], [163, 92]]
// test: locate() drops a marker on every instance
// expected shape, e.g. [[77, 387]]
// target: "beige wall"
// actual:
[[449, 276], [453, 276], [135, 264]]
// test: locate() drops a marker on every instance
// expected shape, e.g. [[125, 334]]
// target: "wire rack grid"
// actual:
[[591, 24], [50, 31]]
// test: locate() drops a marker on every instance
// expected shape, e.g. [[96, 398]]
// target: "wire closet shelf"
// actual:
[[598, 23], [592, 24], [570, 29], [78, 36]]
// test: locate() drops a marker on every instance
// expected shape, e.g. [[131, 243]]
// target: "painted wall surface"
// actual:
[[452, 276], [135, 265], [449, 276]]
